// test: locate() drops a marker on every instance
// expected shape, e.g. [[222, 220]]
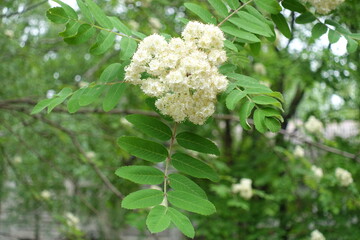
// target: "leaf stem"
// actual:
[[168, 159], [234, 12]]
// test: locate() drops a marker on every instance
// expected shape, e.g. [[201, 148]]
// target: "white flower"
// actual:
[[134, 25], [317, 235], [343, 176], [299, 152], [313, 125], [244, 188], [83, 84], [155, 22], [90, 154], [72, 220], [259, 68], [45, 194], [183, 73], [17, 159], [317, 171], [325, 6]]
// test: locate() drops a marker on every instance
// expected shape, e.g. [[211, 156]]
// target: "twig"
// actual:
[[8, 104], [25, 10], [234, 12]]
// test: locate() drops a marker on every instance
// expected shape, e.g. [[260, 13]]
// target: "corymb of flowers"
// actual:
[[182, 73]]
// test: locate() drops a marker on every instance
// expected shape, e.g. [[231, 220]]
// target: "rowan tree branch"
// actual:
[[15, 104]]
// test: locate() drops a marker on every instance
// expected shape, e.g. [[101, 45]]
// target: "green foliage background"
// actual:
[[288, 203]]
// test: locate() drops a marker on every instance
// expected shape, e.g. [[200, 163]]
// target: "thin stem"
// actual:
[[234, 12], [168, 159]]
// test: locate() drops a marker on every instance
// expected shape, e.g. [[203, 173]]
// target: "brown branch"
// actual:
[[78, 146], [25, 10], [8, 104]]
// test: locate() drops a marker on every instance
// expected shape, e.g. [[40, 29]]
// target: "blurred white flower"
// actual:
[[72, 220], [83, 84], [17, 159], [125, 122], [155, 22], [313, 125], [90, 154], [317, 235], [317, 171], [244, 188], [9, 33], [299, 152], [343, 176], [259, 68], [50, 93], [45, 194], [325, 6], [134, 25]]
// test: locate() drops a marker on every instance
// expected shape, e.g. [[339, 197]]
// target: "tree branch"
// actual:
[[25, 10]]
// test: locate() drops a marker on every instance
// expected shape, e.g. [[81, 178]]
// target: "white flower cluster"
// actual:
[[299, 152], [325, 6], [244, 188], [317, 171], [343, 176], [45, 194], [313, 125], [317, 235], [181, 73], [72, 220]]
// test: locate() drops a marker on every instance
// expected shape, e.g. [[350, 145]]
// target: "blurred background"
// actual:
[[57, 176]]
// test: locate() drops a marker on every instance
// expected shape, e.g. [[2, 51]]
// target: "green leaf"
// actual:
[[306, 17], [182, 222], [293, 5], [338, 27], [158, 219], [147, 150], [281, 24], [104, 41], [111, 72], [141, 174], [99, 15], [271, 6], [252, 24], [220, 7], [113, 96], [242, 36], [69, 11], [271, 112], [272, 124], [71, 29], [204, 14], [191, 202], [318, 30], [193, 167], [91, 94], [245, 110], [333, 36], [264, 100], [59, 98], [150, 126], [142, 199], [85, 11], [352, 45], [250, 84], [85, 32], [227, 68], [128, 47], [197, 143], [230, 45], [233, 98], [255, 48], [41, 106], [57, 15], [73, 103], [233, 4], [259, 121], [120, 26], [182, 183]]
